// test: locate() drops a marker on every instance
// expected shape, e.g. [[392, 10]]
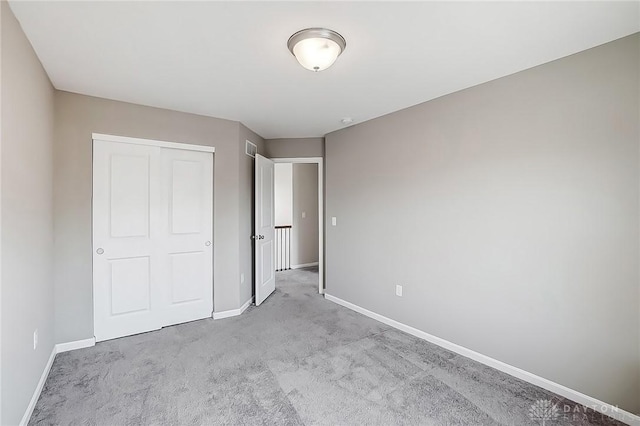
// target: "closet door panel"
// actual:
[[125, 211], [187, 191]]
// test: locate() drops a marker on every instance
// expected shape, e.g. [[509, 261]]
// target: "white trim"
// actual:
[[304, 265], [151, 142], [246, 305], [559, 389], [58, 348], [299, 160], [233, 312], [38, 390], [78, 344], [226, 314], [319, 162]]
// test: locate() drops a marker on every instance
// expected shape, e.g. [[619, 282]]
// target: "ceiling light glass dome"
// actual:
[[316, 49]]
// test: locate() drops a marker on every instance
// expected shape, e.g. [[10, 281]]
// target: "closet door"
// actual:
[[152, 237], [126, 214], [187, 235]]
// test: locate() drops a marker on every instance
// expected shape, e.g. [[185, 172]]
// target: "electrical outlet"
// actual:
[[399, 290], [35, 339], [242, 278]]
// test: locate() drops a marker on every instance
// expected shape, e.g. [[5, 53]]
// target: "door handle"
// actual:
[[208, 243], [100, 250], [262, 237], [257, 237]]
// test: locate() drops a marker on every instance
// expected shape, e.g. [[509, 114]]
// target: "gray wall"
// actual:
[[304, 234], [27, 219], [77, 116], [510, 214], [247, 209], [294, 148]]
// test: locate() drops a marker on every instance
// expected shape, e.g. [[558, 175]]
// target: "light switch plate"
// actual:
[[334, 221], [399, 290], [304, 215]]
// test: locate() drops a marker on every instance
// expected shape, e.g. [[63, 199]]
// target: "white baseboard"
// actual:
[[59, 348], [78, 344], [559, 389], [246, 305], [304, 265], [38, 390], [232, 312]]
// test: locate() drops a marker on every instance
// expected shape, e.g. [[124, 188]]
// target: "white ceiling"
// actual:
[[230, 59]]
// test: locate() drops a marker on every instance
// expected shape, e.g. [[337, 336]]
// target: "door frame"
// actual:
[[319, 162], [151, 142], [146, 142]]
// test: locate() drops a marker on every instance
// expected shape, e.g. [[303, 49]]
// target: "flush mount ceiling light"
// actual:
[[316, 48]]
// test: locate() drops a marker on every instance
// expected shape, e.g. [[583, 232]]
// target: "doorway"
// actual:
[[299, 215]]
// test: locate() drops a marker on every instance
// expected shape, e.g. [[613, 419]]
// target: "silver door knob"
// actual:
[[208, 243], [100, 250]]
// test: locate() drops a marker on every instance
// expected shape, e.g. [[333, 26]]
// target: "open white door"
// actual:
[[265, 272]]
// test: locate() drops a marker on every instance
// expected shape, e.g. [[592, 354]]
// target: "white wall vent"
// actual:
[[251, 149]]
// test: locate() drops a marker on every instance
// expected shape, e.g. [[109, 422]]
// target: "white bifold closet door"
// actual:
[[152, 237]]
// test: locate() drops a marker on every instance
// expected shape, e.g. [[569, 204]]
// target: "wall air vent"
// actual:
[[251, 149]]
